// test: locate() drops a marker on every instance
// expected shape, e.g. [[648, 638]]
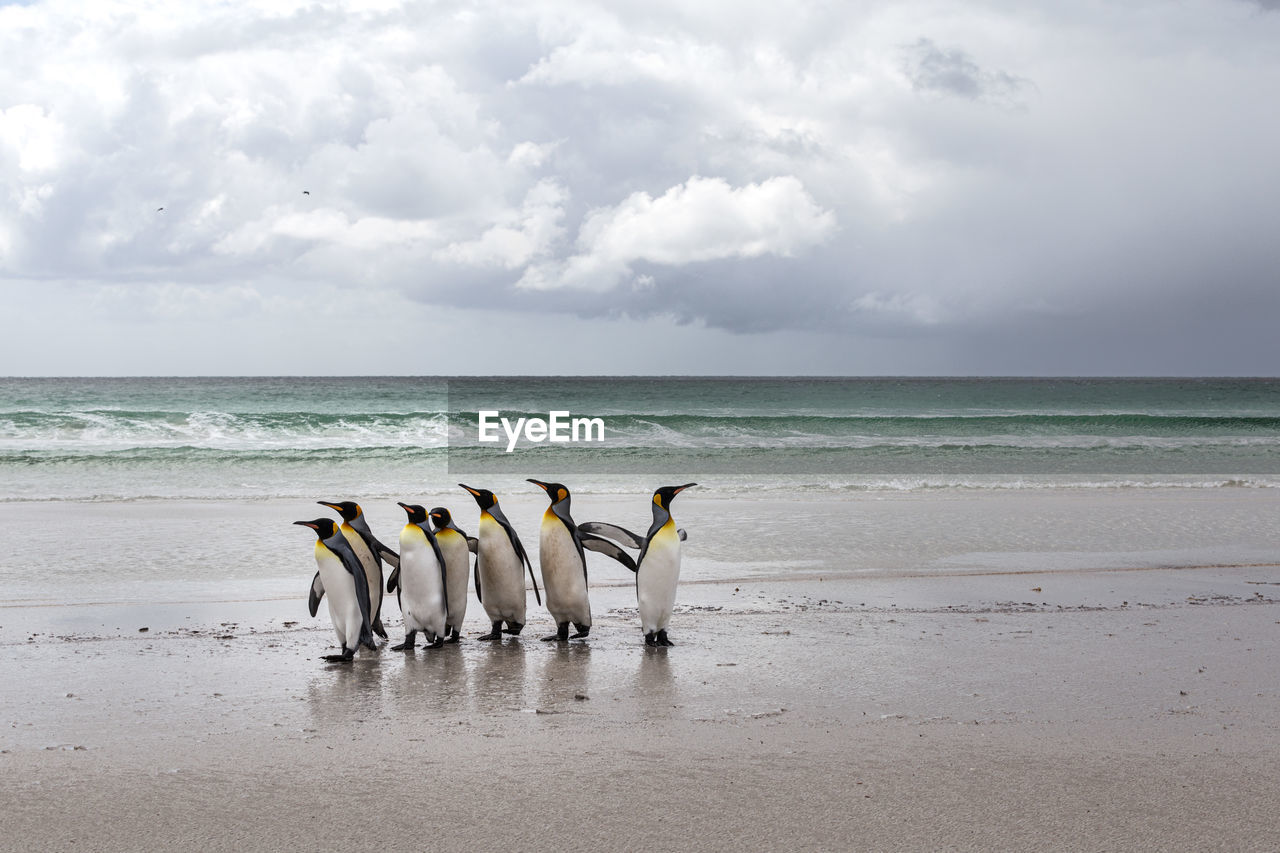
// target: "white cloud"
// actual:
[[326, 226], [33, 137], [703, 219], [531, 155], [604, 54], [520, 237]]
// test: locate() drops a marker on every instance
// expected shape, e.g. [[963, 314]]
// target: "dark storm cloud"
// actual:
[[953, 72]]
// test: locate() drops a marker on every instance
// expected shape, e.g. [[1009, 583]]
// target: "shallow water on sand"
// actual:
[[207, 551]]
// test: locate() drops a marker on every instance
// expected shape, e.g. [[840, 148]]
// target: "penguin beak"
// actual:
[[679, 489], [537, 483], [403, 505], [473, 492], [310, 524], [329, 505]]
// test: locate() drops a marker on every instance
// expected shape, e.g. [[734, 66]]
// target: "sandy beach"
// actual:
[[1095, 710]]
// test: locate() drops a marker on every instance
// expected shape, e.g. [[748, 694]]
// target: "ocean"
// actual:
[[257, 438], [110, 485]]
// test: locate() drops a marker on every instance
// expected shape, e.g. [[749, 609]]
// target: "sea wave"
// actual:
[[103, 431], [113, 430]]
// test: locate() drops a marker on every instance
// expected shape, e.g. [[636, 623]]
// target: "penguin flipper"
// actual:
[[444, 581], [394, 581], [352, 564], [375, 614], [366, 626], [473, 544], [621, 535], [391, 558], [609, 548], [536, 594], [317, 593], [479, 596], [683, 536], [444, 588]]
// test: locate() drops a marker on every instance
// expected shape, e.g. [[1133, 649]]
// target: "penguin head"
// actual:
[[557, 492], [484, 497], [440, 517], [665, 495], [417, 515], [349, 510], [324, 527]]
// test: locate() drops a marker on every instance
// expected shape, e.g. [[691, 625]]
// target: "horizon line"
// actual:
[[465, 376]]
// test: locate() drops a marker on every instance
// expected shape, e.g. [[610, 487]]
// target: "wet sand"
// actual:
[[997, 711]]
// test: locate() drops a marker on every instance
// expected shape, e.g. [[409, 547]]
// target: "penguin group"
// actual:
[[430, 572]]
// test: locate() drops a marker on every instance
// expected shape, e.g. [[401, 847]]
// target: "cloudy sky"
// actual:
[[659, 187]]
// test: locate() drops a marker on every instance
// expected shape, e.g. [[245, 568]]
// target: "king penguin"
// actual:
[[499, 569], [422, 589], [343, 577], [658, 566], [564, 563], [456, 546], [369, 551]]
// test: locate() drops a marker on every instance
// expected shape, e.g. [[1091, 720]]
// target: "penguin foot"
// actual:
[[582, 632], [406, 646], [561, 634], [494, 634], [454, 637], [513, 628], [650, 639], [346, 657], [662, 639], [437, 643]]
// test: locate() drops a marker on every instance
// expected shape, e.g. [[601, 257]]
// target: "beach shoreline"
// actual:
[[787, 714]]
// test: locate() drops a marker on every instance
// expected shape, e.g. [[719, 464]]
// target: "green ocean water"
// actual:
[[211, 438], [185, 490]]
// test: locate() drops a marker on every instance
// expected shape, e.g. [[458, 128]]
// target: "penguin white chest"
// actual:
[[501, 573], [340, 593], [563, 575], [422, 598], [457, 572], [656, 580]]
